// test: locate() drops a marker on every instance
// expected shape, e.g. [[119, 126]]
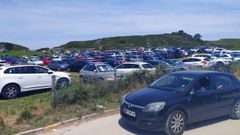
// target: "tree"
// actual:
[[198, 37], [8, 46]]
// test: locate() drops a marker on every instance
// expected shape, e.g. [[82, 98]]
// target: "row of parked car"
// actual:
[[97, 65]]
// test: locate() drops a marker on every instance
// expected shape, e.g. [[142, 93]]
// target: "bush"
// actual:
[[86, 94], [24, 115]]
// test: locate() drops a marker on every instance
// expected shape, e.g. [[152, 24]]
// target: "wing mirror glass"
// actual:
[[50, 72], [220, 87]]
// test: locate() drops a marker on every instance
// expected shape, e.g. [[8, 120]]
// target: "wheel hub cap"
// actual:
[[237, 109], [177, 123]]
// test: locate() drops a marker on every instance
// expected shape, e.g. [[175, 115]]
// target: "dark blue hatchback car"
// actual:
[[183, 97]]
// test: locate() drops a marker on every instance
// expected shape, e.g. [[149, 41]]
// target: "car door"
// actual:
[[226, 92], [204, 102], [89, 72], [26, 78], [43, 79], [123, 69]]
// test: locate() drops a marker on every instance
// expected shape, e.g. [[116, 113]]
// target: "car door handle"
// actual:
[[38, 76], [20, 77]]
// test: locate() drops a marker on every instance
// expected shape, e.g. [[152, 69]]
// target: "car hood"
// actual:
[[148, 95]]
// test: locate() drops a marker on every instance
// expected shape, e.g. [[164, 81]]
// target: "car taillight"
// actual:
[[204, 62]]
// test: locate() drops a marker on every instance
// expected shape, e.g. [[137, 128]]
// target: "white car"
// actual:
[[219, 61], [130, 67], [22, 78], [36, 62], [236, 56], [197, 62]]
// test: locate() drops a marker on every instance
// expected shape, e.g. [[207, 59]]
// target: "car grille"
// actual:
[[132, 106]]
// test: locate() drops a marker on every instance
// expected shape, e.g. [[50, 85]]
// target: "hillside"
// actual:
[[175, 39], [10, 46], [227, 43]]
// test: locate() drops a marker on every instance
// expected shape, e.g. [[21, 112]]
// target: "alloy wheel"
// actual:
[[177, 123]]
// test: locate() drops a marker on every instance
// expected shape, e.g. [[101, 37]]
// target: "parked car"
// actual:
[[130, 67], [236, 56], [36, 61], [58, 65], [215, 61], [46, 60], [4, 63], [177, 64], [22, 78], [77, 65], [197, 62], [180, 98], [97, 71]]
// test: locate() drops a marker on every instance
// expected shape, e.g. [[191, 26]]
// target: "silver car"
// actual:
[[97, 71]]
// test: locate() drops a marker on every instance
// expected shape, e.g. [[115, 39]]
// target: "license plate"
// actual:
[[130, 113]]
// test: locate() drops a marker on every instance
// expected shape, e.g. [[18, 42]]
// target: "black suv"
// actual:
[[179, 98]]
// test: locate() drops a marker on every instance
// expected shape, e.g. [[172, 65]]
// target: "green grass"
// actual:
[[23, 53]]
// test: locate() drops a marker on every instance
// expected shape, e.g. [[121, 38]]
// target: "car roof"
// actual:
[[136, 63], [199, 72], [12, 66]]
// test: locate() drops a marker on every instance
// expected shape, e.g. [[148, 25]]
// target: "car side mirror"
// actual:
[[50, 72], [219, 87], [95, 71]]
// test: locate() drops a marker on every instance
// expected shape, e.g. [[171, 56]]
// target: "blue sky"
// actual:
[[48, 23]]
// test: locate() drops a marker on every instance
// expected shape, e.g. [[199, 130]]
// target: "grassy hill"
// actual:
[[227, 43], [10, 46], [175, 39]]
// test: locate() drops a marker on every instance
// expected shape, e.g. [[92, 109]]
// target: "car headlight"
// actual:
[[154, 107]]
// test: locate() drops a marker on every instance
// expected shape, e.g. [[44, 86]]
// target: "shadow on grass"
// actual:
[[30, 93], [189, 127]]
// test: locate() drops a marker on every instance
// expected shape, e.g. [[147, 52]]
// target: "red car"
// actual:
[[46, 60]]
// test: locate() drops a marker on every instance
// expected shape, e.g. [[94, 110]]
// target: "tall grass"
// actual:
[[88, 93]]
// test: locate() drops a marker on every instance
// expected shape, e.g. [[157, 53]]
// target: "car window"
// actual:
[[204, 84], [40, 70], [104, 68], [10, 71], [147, 66], [123, 66], [134, 66], [89, 67], [223, 81], [185, 60], [20, 70]]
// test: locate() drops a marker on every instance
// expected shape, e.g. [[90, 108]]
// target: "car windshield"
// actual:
[[175, 82], [61, 62], [104, 68]]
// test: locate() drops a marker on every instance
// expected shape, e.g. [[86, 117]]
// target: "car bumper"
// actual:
[[145, 121]]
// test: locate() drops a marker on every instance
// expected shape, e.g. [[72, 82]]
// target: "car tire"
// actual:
[[235, 114], [175, 123], [10, 91], [62, 83]]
